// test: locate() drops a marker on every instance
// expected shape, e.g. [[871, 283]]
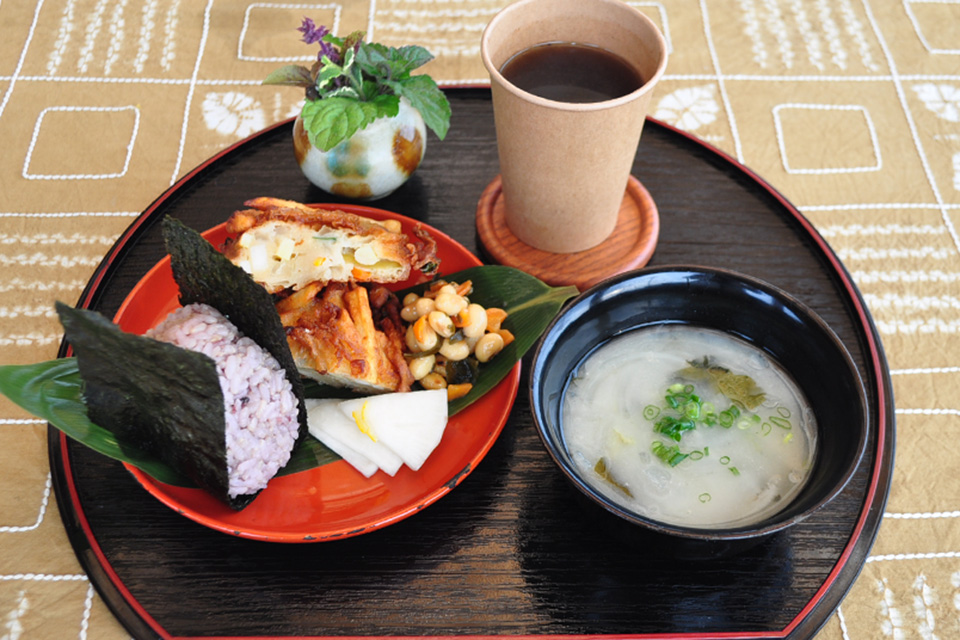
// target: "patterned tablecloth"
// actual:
[[851, 108]]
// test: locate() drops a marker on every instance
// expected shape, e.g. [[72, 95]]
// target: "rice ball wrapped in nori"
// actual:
[[209, 402], [214, 393], [260, 407]]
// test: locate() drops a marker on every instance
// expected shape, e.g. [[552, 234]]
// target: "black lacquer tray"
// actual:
[[510, 550]]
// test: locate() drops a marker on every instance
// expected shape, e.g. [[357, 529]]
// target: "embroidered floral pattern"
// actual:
[[233, 114], [689, 108], [942, 99]]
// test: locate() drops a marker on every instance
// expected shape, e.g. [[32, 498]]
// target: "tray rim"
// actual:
[[120, 601]]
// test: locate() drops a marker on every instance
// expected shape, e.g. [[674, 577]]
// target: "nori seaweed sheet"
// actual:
[[205, 275], [153, 395], [165, 399]]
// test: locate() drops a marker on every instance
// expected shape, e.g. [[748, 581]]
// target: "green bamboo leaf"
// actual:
[[530, 304], [53, 391], [309, 454]]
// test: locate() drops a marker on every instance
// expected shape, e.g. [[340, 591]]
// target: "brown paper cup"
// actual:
[[565, 166]]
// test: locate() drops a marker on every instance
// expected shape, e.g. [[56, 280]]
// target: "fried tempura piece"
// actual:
[[337, 337], [288, 245]]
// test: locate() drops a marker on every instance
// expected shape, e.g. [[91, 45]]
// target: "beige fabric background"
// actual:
[[850, 107]]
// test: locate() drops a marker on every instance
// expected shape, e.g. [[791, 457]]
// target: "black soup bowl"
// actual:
[[743, 306]]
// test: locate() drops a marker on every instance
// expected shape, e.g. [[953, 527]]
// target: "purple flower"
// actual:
[[327, 49], [314, 34], [311, 32]]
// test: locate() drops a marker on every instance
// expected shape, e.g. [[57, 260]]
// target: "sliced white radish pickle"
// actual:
[[357, 460], [326, 420], [409, 424]]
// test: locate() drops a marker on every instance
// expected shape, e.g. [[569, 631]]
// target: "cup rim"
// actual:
[[645, 88]]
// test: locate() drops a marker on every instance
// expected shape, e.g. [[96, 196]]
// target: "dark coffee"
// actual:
[[570, 72]]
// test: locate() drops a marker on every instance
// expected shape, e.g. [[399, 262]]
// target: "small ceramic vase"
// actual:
[[372, 163]]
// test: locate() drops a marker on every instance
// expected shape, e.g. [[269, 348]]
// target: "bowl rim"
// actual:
[[769, 525]]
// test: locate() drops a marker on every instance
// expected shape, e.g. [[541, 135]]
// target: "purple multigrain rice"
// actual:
[[260, 408]]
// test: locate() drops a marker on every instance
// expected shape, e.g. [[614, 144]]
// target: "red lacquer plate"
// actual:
[[332, 501]]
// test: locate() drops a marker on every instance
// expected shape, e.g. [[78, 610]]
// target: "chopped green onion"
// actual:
[[651, 411], [783, 411], [709, 414], [788, 437], [673, 428], [326, 238], [765, 429], [696, 455], [725, 460], [783, 423], [669, 454], [735, 471], [705, 497]]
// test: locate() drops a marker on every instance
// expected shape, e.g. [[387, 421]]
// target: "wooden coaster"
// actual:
[[630, 246]]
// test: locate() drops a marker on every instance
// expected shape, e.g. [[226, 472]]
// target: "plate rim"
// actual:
[[508, 385]]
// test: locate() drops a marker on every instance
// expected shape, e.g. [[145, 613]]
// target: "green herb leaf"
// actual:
[[346, 91], [327, 73], [337, 41], [387, 105], [351, 41], [290, 75], [389, 63], [330, 121], [415, 56], [427, 98], [530, 304], [375, 60], [365, 72]]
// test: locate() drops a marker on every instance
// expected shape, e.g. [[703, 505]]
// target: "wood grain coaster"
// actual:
[[629, 246]]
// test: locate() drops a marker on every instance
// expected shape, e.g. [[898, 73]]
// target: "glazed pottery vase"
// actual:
[[372, 163]]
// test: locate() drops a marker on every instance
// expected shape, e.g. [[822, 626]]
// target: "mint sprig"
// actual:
[[354, 83]]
